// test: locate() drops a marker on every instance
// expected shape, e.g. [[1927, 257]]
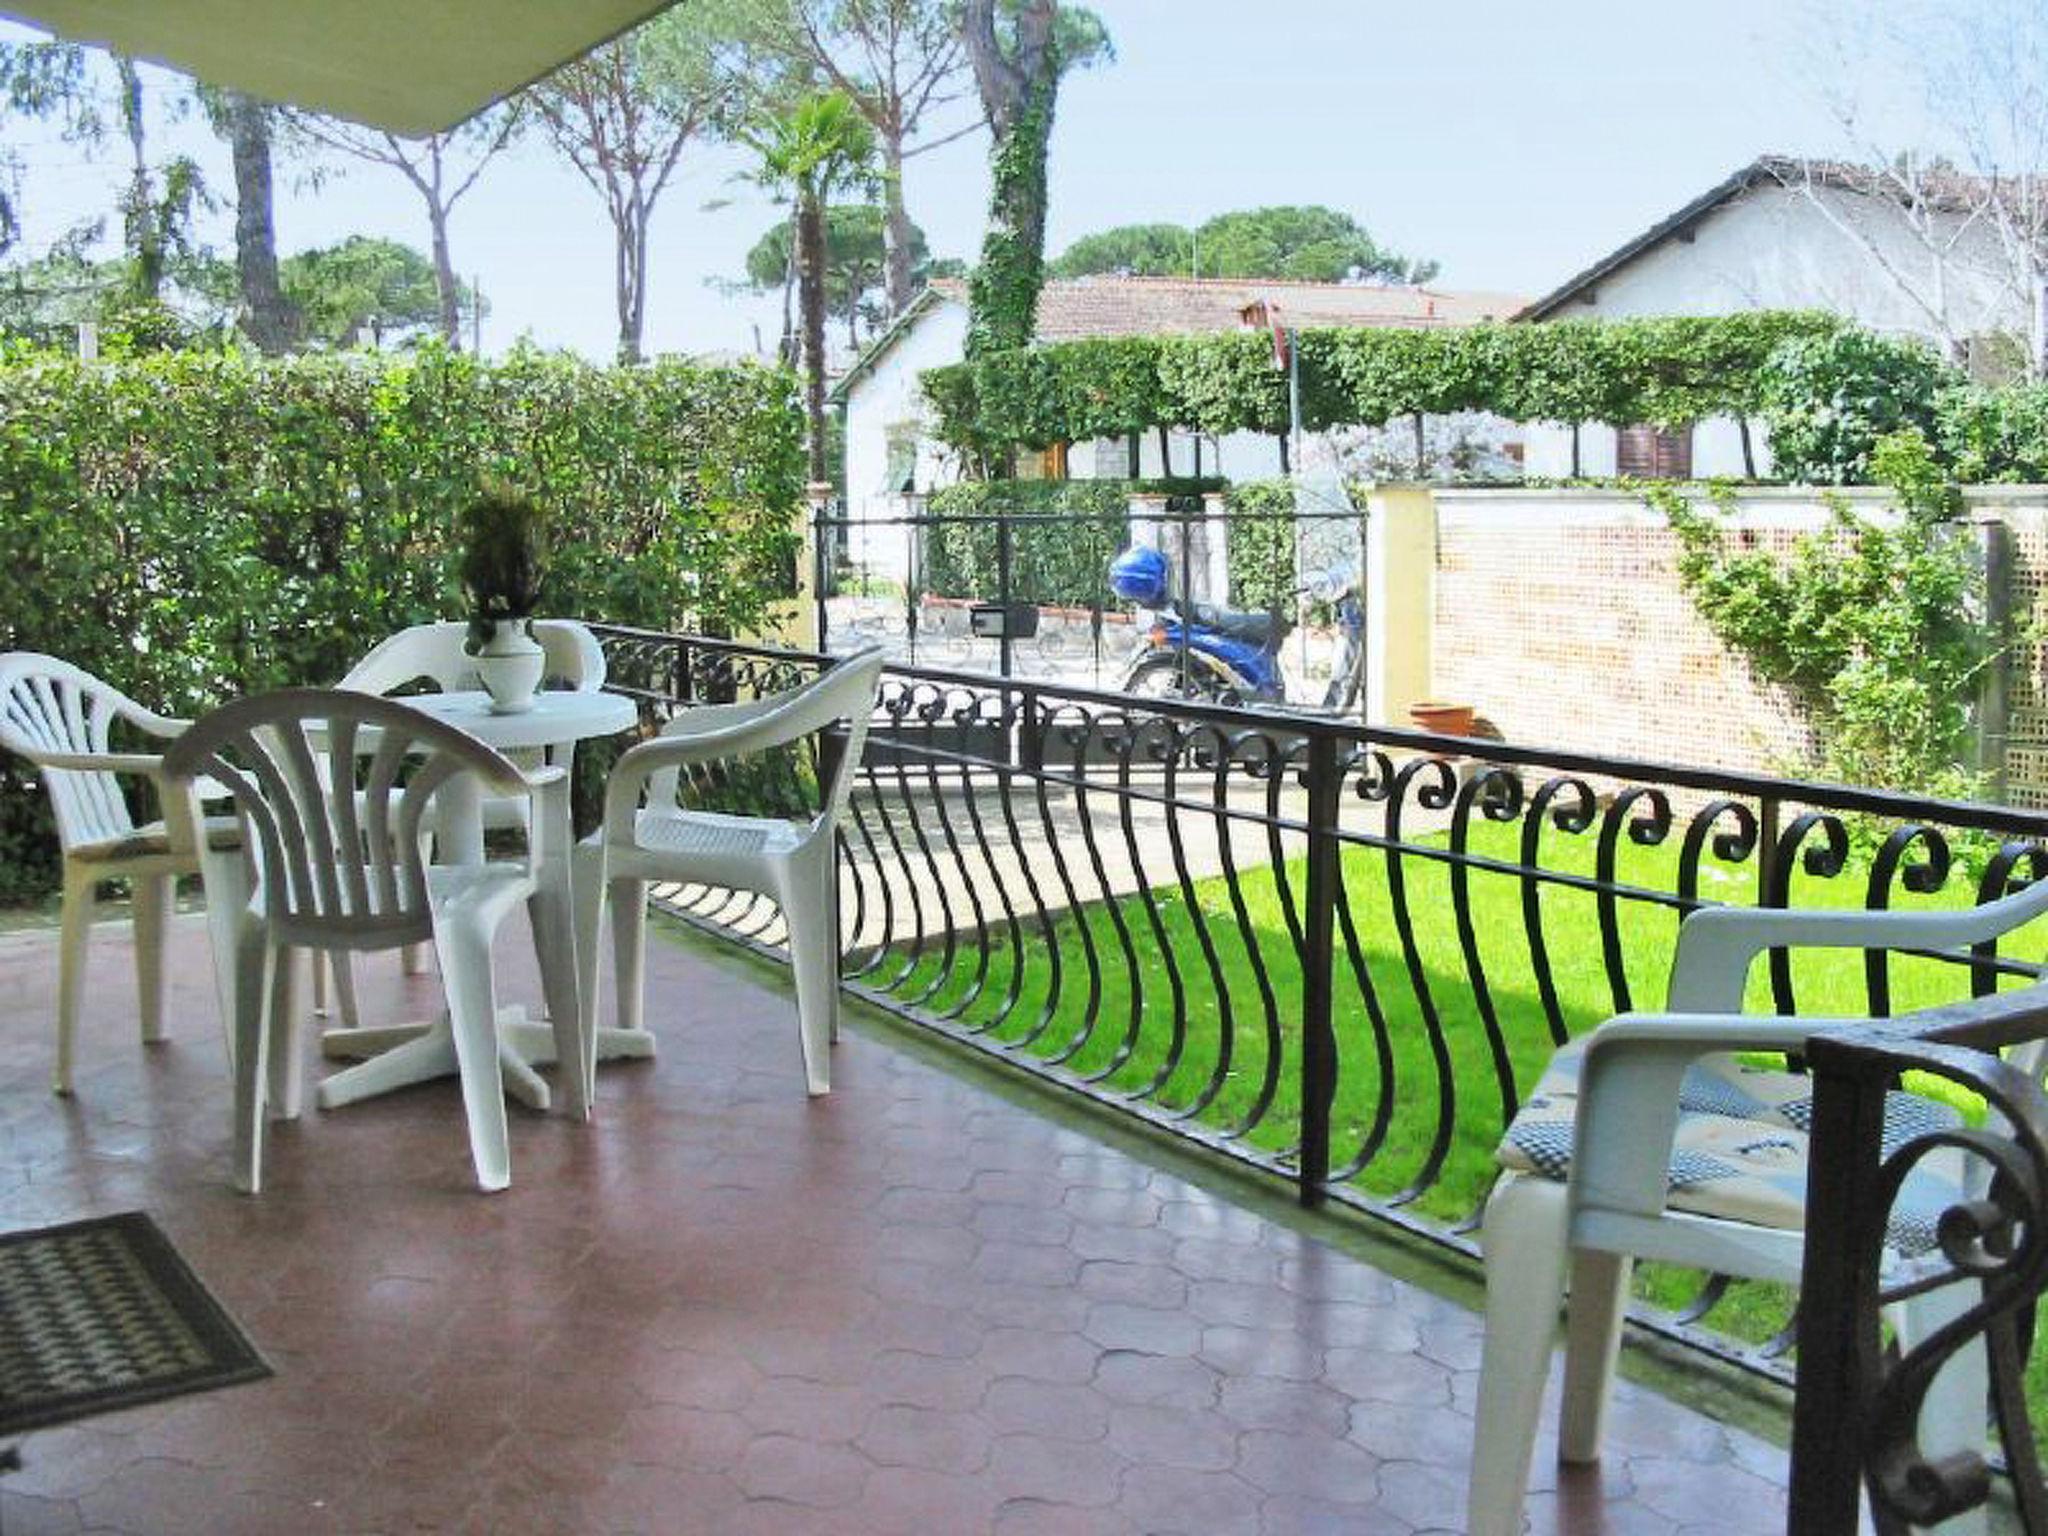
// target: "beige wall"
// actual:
[[1558, 614]]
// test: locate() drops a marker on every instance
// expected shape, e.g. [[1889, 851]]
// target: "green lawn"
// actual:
[[1129, 1037]]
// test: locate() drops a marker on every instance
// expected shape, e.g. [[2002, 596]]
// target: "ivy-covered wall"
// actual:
[[191, 526], [1667, 371]]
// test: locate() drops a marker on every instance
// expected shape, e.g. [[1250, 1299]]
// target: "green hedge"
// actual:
[[1062, 563], [1260, 551], [1983, 435], [191, 526], [1665, 370]]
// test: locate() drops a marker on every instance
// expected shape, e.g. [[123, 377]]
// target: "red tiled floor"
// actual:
[[911, 1307]]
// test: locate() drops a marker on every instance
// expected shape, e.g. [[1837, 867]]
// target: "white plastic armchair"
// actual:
[[1612, 1205], [63, 719], [791, 862], [438, 653], [345, 870]]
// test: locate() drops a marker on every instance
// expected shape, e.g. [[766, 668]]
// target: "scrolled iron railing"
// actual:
[[1336, 952], [1856, 1421]]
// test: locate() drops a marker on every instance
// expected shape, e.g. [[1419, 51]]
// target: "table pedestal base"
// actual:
[[394, 1056]]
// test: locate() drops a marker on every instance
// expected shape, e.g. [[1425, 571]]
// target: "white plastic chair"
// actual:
[[438, 653], [340, 871], [790, 862], [62, 719], [1612, 1206]]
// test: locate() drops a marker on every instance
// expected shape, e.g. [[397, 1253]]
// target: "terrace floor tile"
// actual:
[[915, 1306]]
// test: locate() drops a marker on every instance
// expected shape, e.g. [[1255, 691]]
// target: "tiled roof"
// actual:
[[1075, 309]]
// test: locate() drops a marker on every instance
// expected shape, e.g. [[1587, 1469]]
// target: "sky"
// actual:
[[1514, 143]]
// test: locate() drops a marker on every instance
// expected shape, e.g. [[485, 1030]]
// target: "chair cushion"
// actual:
[[1741, 1149], [222, 832]]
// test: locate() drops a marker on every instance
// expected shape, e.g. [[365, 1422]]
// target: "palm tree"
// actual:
[[820, 147]]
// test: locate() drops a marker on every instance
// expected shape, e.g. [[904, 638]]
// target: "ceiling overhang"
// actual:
[[413, 67]]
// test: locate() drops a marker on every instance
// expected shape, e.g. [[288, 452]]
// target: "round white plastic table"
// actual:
[[402, 1054]]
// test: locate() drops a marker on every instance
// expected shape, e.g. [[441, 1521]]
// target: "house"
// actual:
[[892, 457], [1904, 251]]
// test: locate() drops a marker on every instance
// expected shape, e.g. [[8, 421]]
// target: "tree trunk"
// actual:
[[1003, 292], [896, 229], [810, 281], [139, 213], [629, 281], [266, 313], [1019, 85], [791, 350], [445, 283]]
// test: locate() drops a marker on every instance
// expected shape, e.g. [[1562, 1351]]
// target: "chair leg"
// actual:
[[344, 965], [1524, 1242], [152, 910], [284, 1063], [814, 958], [588, 864], [628, 900], [412, 960], [81, 900], [1599, 1302], [226, 898], [462, 949], [1955, 1415], [256, 963], [321, 966], [550, 912]]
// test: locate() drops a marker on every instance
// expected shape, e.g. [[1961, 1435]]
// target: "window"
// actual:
[[1649, 453], [901, 475]]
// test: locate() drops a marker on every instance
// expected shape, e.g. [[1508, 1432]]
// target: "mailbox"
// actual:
[[1001, 621]]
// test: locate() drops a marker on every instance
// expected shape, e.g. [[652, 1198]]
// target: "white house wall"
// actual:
[[1770, 248], [886, 398]]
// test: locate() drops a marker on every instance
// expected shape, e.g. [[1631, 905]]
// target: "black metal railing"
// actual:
[[1856, 1423], [1339, 953]]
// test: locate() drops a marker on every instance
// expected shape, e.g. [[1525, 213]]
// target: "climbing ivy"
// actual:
[[1874, 628], [1002, 291]]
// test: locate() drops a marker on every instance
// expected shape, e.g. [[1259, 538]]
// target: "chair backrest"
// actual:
[[439, 653], [49, 707], [846, 691], [334, 864]]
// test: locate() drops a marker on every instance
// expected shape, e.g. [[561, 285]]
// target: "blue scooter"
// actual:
[[1225, 655]]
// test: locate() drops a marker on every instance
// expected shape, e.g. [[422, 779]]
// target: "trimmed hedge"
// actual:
[[1667, 371], [1261, 551], [1064, 563], [195, 525]]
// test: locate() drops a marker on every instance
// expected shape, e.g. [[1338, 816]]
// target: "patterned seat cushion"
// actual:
[[1741, 1148]]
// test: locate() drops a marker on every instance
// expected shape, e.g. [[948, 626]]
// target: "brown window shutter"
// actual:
[[1648, 453]]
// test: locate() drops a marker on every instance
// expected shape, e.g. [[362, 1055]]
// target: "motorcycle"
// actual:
[[1232, 656]]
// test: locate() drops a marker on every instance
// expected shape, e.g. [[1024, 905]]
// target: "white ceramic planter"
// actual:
[[510, 667]]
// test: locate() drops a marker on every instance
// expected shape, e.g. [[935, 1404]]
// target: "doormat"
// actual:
[[103, 1314]]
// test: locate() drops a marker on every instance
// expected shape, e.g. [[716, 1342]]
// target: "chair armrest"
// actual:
[[1717, 945], [146, 765], [668, 754], [1629, 1081], [702, 718]]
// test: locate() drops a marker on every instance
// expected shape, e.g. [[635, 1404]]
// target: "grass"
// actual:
[[1238, 998]]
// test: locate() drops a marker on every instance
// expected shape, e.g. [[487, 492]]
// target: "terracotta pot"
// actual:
[[1442, 719]]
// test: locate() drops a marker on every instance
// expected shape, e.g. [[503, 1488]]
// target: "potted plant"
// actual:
[[1441, 718], [504, 568]]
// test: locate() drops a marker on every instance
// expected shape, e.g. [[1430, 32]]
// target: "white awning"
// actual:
[[411, 66]]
